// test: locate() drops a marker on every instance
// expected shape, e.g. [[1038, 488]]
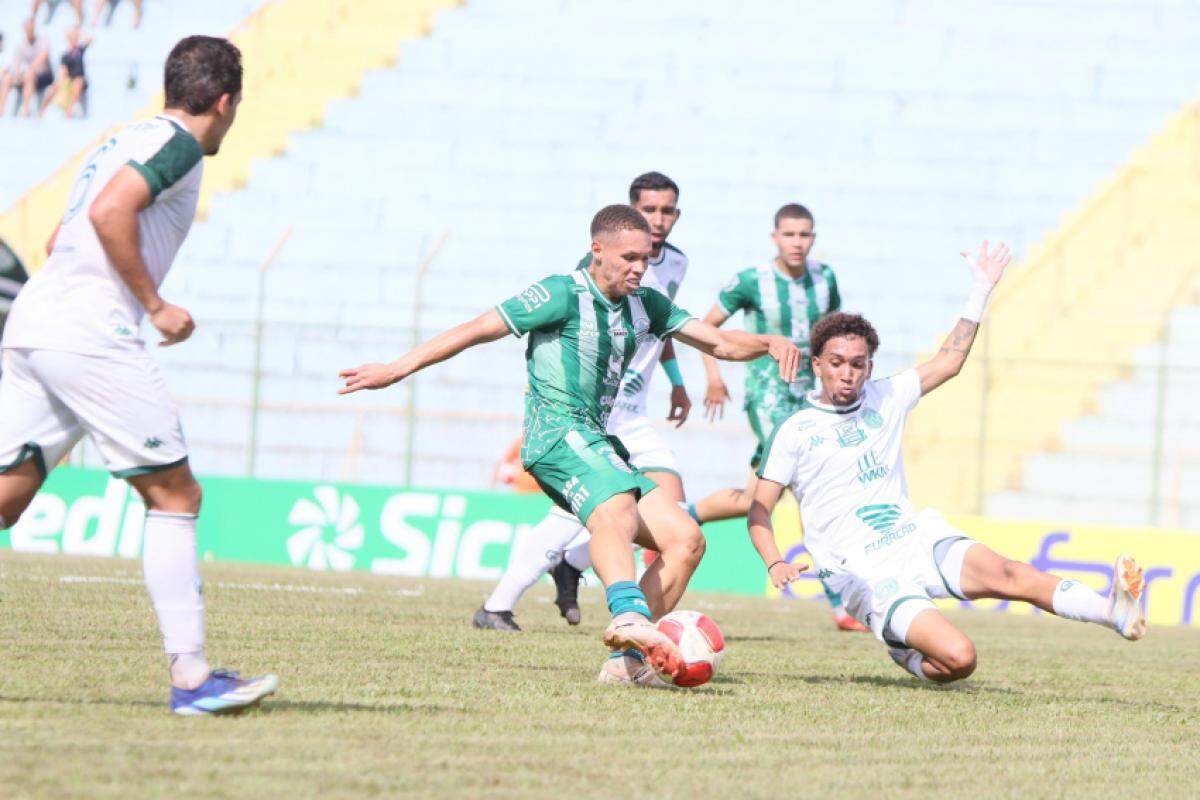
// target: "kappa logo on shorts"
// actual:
[[153, 443]]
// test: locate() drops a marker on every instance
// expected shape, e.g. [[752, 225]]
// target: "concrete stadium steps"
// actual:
[[911, 130], [124, 68]]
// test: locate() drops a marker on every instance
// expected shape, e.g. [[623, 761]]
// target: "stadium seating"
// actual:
[[912, 129], [124, 69]]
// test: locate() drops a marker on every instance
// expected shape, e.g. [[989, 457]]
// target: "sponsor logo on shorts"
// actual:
[[153, 443], [849, 434], [872, 418], [575, 493], [885, 589], [870, 468], [822, 574]]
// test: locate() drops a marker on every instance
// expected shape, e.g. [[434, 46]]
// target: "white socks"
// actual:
[[579, 556], [1073, 600], [909, 660], [532, 556], [173, 579]]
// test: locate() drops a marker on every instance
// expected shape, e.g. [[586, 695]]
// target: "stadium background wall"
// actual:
[[421, 532]]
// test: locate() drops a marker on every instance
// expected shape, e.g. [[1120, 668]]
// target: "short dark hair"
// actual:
[[841, 324], [793, 211], [650, 182], [199, 70], [612, 219]]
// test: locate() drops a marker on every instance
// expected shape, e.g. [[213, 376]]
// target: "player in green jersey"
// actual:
[[786, 296], [584, 328]]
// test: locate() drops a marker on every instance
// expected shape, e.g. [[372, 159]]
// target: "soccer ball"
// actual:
[[700, 641]]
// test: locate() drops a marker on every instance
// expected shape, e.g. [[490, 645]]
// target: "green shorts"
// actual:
[[585, 468], [766, 411]]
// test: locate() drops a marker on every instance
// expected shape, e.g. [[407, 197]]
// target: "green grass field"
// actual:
[[386, 691]]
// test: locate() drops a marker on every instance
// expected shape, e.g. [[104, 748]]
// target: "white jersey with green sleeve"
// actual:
[[579, 347], [664, 276], [776, 303], [77, 302], [846, 469]]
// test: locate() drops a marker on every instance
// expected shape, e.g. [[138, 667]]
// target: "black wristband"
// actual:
[[773, 563]]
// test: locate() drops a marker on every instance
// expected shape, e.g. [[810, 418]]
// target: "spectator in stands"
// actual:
[[30, 71], [72, 80], [52, 7], [112, 7]]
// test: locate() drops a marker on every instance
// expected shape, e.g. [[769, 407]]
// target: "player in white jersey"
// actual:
[[74, 363], [560, 541], [841, 456]]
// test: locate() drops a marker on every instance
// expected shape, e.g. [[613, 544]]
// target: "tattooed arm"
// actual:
[[987, 269]]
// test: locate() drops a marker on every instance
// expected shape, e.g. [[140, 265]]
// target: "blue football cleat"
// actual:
[[223, 693]]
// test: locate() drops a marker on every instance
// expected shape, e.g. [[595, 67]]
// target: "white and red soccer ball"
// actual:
[[701, 643]]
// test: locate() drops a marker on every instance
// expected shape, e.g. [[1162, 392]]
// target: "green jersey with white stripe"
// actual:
[[579, 346], [776, 303]]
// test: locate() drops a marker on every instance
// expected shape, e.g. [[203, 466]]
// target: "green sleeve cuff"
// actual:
[[671, 367]]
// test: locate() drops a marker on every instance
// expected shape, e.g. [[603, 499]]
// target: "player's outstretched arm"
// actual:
[[114, 215], [762, 534], [741, 346], [987, 267], [717, 393], [487, 327]]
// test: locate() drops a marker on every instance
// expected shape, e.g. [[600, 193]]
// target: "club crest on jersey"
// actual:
[[849, 434], [872, 418]]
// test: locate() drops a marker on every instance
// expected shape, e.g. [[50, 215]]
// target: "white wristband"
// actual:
[[977, 301]]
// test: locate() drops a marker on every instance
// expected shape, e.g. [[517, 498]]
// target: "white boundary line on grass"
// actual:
[[257, 587]]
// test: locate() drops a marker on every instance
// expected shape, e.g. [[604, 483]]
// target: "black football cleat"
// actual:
[[566, 580], [494, 620]]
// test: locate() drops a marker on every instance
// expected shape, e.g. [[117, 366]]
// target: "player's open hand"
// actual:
[[787, 354], [988, 266], [715, 398], [174, 323], [368, 376], [681, 406], [783, 573]]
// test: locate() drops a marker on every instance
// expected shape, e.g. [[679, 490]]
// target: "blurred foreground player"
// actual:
[[74, 364], [585, 328], [841, 457], [548, 546]]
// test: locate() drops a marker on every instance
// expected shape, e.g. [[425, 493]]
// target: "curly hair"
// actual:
[[612, 219], [840, 324]]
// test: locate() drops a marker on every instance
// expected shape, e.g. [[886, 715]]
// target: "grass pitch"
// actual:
[[386, 691]]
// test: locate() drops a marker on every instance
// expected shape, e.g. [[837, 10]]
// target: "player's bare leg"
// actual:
[[570, 568], [941, 652], [614, 524], [669, 531], [986, 573], [17, 488]]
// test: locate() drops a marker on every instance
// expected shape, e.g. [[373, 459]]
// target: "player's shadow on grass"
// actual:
[[268, 706]]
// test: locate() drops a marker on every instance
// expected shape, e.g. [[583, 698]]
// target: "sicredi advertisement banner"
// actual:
[[418, 532]]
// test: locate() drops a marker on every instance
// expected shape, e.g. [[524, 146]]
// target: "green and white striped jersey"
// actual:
[[579, 347], [776, 303]]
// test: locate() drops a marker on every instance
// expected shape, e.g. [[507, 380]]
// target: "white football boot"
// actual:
[[1126, 610], [632, 630]]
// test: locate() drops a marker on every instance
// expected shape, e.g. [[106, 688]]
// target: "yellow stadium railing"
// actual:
[[298, 56], [1065, 322]]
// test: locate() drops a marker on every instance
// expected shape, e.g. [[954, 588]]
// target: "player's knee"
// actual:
[[959, 658], [11, 510], [689, 545], [1015, 574]]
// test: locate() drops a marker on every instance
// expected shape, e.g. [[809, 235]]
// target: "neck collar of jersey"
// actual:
[[814, 400], [781, 272], [599, 295], [662, 256], [178, 125]]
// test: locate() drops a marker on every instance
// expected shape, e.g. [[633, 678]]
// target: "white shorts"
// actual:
[[887, 590], [50, 398], [648, 451]]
